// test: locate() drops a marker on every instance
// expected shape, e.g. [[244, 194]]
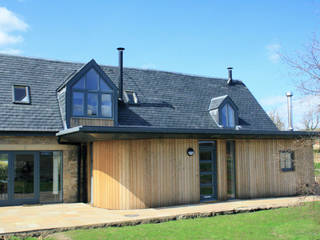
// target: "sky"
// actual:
[[193, 37]]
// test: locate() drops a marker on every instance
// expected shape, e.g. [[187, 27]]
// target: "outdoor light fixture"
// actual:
[[190, 151]]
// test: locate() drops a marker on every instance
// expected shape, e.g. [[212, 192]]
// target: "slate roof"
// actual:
[[167, 100], [216, 102]]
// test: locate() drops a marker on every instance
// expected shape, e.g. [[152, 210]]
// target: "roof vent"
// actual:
[[229, 75]]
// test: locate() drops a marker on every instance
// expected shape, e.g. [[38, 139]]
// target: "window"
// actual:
[[231, 180], [78, 103], [131, 97], [21, 94], [227, 116], [92, 96], [286, 161], [50, 173]]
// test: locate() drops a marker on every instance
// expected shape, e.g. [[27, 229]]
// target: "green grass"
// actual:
[[301, 222], [317, 169]]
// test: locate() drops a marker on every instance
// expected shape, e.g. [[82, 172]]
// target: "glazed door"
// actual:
[[25, 171], [18, 178], [208, 171], [4, 177]]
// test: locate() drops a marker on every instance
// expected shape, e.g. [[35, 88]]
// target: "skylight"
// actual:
[[21, 94], [131, 97]]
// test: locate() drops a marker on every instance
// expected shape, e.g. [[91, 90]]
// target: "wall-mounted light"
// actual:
[[190, 151]]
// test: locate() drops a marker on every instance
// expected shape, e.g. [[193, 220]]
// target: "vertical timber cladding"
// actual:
[[222, 170], [258, 172], [130, 174]]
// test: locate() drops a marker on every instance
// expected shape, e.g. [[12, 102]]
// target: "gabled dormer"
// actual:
[[90, 98], [224, 112]]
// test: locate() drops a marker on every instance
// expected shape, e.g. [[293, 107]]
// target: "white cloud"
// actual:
[[8, 39], [10, 24], [11, 51], [300, 107], [273, 52], [272, 101], [148, 66]]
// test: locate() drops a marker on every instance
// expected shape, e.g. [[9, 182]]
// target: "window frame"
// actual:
[[86, 91], [27, 89], [292, 157], [227, 105]]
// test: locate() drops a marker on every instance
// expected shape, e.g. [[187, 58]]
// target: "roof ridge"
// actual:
[[132, 68]]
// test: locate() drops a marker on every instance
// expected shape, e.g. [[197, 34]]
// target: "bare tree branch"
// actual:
[[307, 66], [274, 115]]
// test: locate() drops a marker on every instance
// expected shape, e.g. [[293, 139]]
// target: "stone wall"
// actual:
[[41, 143]]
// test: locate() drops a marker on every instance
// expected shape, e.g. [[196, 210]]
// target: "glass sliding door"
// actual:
[[208, 171], [50, 177], [28, 177], [24, 176], [231, 176], [4, 176]]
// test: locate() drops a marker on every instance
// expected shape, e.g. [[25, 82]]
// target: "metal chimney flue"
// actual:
[[229, 75], [289, 101], [120, 49]]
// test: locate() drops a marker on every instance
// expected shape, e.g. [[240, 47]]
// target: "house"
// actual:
[[125, 138]]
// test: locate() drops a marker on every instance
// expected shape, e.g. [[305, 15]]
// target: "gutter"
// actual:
[[137, 130], [27, 133]]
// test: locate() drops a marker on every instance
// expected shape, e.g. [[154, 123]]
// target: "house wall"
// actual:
[[39, 143], [258, 172], [101, 122], [130, 174]]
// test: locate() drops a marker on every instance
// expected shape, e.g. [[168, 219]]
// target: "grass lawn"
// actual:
[[317, 169], [301, 222]]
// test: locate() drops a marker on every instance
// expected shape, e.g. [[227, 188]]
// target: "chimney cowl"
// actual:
[[289, 94], [229, 82]]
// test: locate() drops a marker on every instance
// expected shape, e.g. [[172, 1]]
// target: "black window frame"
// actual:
[[27, 88], [285, 169], [99, 92]]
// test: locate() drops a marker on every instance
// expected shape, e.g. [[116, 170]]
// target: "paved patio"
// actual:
[[60, 217]]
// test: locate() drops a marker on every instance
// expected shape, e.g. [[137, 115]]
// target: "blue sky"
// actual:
[[197, 37]]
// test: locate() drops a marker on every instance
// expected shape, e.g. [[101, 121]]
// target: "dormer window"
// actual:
[[224, 111], [21, 94], [227, 116], [92, 96]]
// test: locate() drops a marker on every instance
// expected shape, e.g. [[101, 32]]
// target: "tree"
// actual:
[[311, 120], [274, 115], [307, 67]]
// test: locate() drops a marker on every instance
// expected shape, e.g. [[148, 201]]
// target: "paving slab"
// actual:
[[35, 220]]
